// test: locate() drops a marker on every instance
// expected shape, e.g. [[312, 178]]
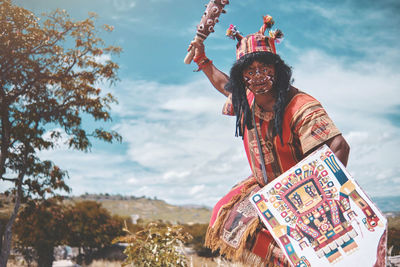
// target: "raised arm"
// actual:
[[217, 78]]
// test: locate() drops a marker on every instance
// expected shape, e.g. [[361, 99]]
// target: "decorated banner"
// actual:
[[319, 215]]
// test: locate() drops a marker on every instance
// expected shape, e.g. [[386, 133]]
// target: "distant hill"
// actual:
[[159, 209], [149, 209], [154, 209]]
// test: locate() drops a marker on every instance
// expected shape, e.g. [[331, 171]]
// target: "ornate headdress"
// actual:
[[257, 41]]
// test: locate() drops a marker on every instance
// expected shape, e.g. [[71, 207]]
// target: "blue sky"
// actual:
[[178, 147]]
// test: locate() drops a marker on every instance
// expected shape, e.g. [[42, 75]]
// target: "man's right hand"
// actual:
[[199, 50]]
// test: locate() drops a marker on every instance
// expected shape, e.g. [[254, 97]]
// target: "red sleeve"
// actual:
[[313, 126]]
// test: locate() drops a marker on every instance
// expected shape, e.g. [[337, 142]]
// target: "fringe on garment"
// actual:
[[213, 240], [273, 259]]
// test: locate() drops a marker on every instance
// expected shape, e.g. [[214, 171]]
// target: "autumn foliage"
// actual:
[[42, 225], [91, 227]]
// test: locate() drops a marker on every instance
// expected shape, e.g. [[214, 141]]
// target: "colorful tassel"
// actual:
[[268, 21], [233, 33], [277, 35]]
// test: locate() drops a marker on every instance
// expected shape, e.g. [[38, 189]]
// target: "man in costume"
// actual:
[[279, 125]]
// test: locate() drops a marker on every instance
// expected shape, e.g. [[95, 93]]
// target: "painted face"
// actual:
[[259, 77]]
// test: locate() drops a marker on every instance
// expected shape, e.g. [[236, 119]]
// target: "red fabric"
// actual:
[[302, 114], [262, 243], [226, 199], [254, 43]]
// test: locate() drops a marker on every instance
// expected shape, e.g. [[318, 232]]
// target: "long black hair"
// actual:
[[281, 87]]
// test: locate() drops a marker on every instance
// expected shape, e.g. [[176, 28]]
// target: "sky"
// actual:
[[178, 147]]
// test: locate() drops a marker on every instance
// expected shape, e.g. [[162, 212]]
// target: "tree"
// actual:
[[50, 76], [91, 227], [41, 225]]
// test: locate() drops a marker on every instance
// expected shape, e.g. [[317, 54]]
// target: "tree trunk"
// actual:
[[45, 254], [5, 142], [7, 236]]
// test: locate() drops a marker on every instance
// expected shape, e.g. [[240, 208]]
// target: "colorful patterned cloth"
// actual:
[[234, 227]]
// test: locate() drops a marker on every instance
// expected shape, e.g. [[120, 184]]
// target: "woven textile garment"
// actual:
[[234, 226]]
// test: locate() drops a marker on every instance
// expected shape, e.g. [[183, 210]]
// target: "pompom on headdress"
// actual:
[[233, 33], [257, 41]]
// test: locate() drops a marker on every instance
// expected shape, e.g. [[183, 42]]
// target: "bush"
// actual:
[[158, 244], [394, 234], [40, 226], [91, 228]]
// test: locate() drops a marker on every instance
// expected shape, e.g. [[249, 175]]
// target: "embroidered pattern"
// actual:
[[320, 130]]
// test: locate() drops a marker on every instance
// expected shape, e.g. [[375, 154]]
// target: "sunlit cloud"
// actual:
[[355, 96]]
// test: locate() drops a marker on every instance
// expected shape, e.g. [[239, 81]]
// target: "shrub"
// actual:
[[158, 244]]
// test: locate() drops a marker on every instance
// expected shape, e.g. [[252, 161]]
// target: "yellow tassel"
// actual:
[[268, 21]]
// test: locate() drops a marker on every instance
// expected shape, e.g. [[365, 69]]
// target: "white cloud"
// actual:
[[352, 90], [356, 96], [171, 175], [103, 58], [197, 189], [179, 147], [179, 133], [125, 21], [367, 31], [124, 5], [192, 105]]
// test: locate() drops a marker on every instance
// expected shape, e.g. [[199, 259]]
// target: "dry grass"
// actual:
[[193, 261], [105, 264], [14, 263], [196, 261]]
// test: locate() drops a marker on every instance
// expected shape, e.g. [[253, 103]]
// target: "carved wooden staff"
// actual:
[[206, 26]]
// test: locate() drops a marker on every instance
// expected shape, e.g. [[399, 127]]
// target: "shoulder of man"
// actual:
[[309, 121], [299, 103]]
